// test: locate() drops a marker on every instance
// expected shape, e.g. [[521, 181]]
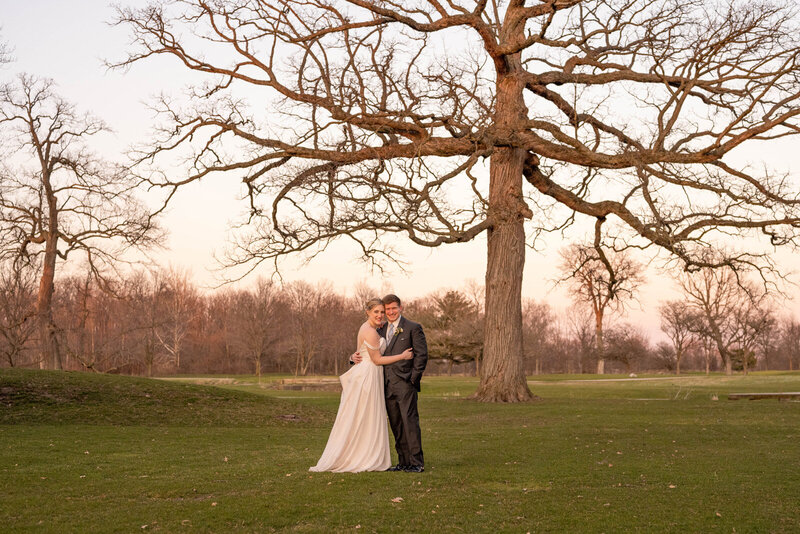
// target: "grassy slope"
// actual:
[[589, 457], [83, 398]]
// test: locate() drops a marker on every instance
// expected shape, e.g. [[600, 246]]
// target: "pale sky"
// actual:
[[68, 41]]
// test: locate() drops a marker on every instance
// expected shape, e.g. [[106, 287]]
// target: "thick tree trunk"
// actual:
[[48, 342], [502, 375]]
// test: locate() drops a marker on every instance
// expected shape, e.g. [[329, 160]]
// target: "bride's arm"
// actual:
[[372, 338]]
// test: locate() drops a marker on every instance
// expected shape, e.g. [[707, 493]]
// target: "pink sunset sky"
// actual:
[[69, 41]]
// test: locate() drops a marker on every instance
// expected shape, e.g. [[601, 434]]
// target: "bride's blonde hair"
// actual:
[[371, 303]]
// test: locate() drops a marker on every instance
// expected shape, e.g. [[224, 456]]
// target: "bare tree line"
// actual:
[[160, 322]]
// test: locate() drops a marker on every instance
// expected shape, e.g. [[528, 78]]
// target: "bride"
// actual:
[[359, 440]]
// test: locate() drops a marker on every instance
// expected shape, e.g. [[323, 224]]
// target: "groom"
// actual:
[[401, 384]]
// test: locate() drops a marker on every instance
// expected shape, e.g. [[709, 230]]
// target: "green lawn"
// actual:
[[91, 453]]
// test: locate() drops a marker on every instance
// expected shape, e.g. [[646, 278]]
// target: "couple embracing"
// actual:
[[384, 380]]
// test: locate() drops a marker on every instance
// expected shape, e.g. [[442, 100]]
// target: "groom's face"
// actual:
[[393, 311]]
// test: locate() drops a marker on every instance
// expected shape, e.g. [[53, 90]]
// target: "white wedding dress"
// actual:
[[359, 440]]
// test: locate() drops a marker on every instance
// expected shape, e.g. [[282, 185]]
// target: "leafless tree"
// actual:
[[753, 322], [5, 53], [362, 292], [218, 324], [606, 282], [566, 353], [178, 303], [665, 356], [790, 342], [627, 344], [620, 110], [768, 339], [142, 294], [677, 321], [537, 328], [93, 325], [313, 317], [581, 330], [258, 317], [731, 309], [17, 311], [57, 199]]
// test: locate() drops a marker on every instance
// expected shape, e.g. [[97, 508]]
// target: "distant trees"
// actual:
[[17, 311], [178, 299], [538, 330], [58, 199], [602, 281], [628, 346], [258, 320], [679, 322], [306, 329], [730, 311], [453, 327], [789, 343]]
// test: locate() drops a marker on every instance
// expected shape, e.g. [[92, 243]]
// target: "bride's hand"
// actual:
[[407, 354]]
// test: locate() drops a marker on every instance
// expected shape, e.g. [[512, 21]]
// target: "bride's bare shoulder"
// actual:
[[369, 334]]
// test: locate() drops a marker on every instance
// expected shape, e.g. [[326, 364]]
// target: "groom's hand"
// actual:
[[356, 357]]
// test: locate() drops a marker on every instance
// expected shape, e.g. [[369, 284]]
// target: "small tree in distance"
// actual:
[[603, 282], [17, 310], [731, 312], [679, 323]]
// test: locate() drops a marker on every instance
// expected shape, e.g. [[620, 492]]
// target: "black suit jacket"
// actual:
[[407, 335]]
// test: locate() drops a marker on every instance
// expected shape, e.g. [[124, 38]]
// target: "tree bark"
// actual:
[[502, 375], [49, 349], [598, 333]]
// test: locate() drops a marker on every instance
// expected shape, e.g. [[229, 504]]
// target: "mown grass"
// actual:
[[96, 454]]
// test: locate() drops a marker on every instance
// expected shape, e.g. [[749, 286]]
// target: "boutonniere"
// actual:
[[398, 331]]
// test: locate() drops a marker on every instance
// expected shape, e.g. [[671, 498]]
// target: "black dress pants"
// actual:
[[401, 406]]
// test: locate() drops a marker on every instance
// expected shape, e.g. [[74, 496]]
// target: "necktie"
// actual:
[[390, 333]]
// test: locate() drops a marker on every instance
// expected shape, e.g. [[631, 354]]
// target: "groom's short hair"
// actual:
[[388, 299]]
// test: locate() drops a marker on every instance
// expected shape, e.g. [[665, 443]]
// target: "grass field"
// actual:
[[93, 453]]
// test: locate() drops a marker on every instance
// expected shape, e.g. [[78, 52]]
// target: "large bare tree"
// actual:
[[57, 198], [380, 115]]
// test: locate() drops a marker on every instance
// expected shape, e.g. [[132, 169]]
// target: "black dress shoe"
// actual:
[[398, 467], [414, 469]]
